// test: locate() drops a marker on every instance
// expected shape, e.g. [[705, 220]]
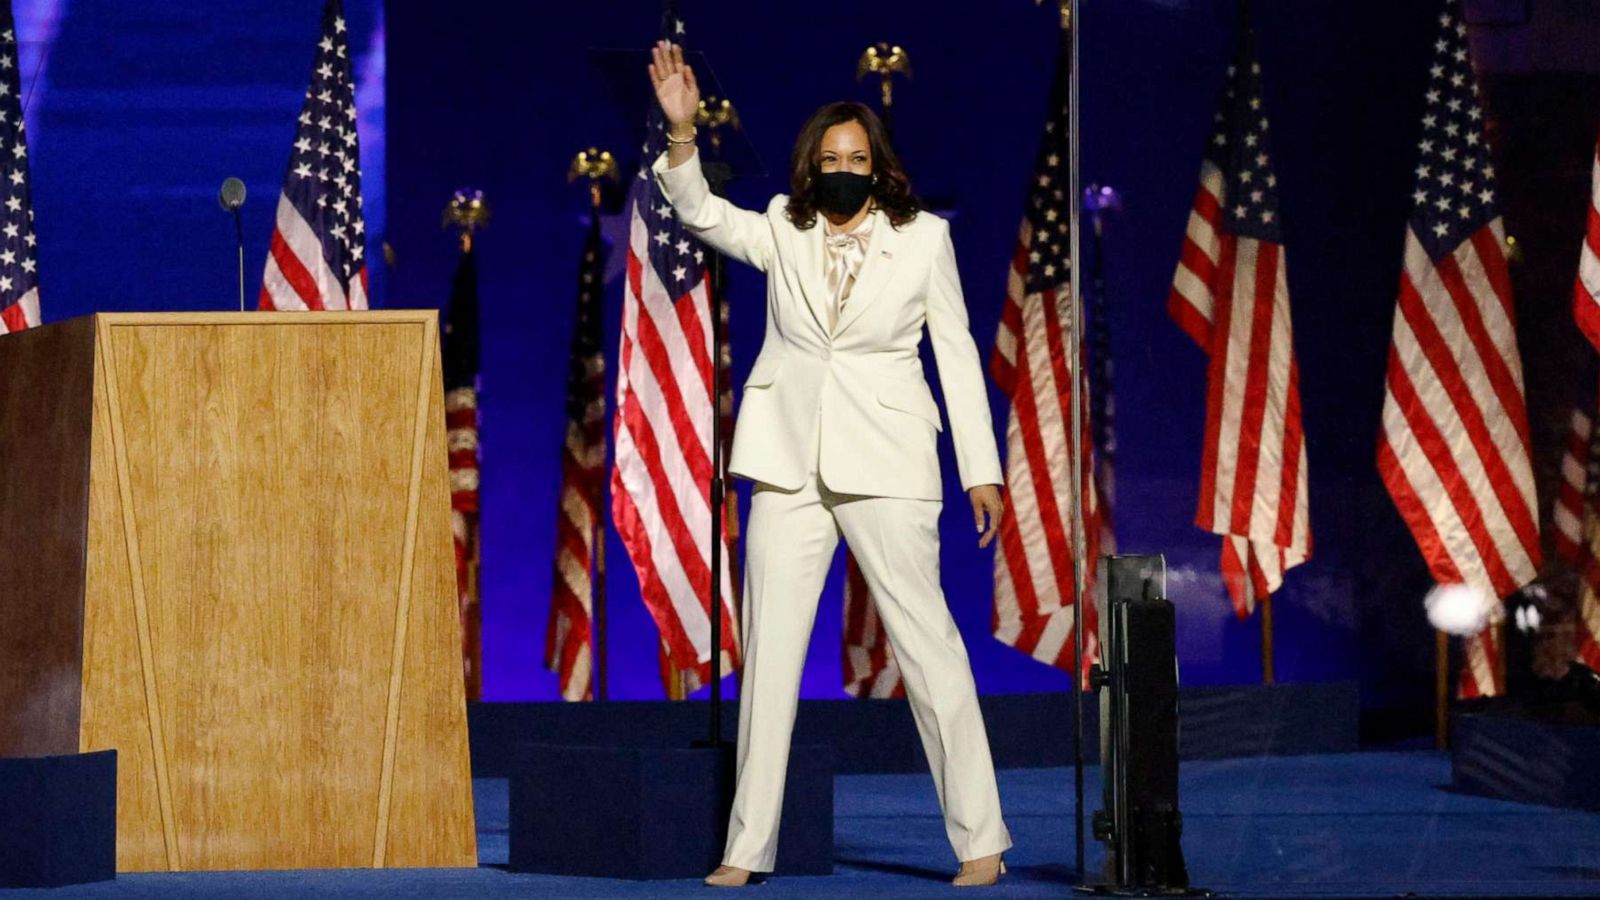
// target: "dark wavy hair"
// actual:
[[891, 189]]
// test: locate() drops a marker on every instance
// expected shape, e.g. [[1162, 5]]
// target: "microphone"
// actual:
[[230, 197]]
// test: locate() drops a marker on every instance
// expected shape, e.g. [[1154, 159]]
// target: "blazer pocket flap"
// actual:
[[911, 397], [764, 372]]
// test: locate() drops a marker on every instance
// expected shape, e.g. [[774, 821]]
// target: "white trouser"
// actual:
[[789, 544]]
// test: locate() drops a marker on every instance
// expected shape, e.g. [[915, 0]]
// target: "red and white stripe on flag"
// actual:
[[1231, 297], [1454, 449], [569, 640], [22, 314], [661, 480], [461, 436], [1588, 631], [1588, 621], [1578, 535], [1577, 521], [1033, 597], [298, 277], [569, 636], [1567, 514], [1586, 292], [870, 669]]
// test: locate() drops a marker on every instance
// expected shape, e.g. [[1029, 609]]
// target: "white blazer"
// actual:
[[862, 386]]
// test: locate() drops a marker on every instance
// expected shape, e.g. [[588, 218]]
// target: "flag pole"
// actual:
[[1069, 38], [475, 611], [598, 535], [468, 211], [714, 115], [602, 665], [1268, 675], [1500, 656], [718, 504], [595, 164]]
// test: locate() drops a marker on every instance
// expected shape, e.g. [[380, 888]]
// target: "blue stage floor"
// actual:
[[1352, 825]]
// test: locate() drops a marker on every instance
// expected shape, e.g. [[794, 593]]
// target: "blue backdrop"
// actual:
[[138, 111]]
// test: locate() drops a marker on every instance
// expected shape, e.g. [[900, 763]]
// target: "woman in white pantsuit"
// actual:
[[838, 429]]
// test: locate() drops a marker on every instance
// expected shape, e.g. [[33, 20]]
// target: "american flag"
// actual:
[[1033, 597], [1231, 297], [1586, 292], [1454, 450], [1102, 393], [19, 277], [460, 362], [569, 640], [317, 259], [1577, 521], [870, 669], [1570, 508], [661, 478]]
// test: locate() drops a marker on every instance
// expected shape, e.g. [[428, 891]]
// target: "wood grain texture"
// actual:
[[430, 704], [46, 377], [402, 613], [108, 372], [115, 714], [272, 492]]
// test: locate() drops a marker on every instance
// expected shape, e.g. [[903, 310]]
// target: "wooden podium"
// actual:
[[227, 556]]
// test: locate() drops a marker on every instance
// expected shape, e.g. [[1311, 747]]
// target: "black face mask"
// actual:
[[843, 193]]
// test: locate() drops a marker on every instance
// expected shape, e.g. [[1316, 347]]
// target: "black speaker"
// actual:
[[1138, 683]]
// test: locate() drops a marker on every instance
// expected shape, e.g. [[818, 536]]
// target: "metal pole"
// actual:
[[238, 227], [717, 503], [602, 663], [598, 536], [1075, 456], [718, 174]]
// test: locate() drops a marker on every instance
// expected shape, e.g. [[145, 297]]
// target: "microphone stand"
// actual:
[[718, 174], [238, 230], [1069, 46]]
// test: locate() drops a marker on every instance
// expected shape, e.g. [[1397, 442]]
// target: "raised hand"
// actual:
[[676, 89]]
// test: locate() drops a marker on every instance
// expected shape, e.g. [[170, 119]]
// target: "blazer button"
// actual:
[[827, 355]]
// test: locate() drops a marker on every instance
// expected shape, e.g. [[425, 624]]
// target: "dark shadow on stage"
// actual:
[[887, 868], [878, 736]]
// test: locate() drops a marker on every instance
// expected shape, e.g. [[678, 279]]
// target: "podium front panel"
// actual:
[[271, 639]]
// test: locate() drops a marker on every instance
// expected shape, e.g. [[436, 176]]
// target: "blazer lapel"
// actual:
[[813, 273], [875, 271]]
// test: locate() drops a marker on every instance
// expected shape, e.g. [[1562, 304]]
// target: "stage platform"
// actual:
[[878, 736], [1344, 825], [1546, 753]]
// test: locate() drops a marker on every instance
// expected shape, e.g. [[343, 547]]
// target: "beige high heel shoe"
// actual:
[[980, 872], [728, 876]]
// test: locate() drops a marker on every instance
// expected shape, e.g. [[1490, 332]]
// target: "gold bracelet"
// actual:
[[688, 140]]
